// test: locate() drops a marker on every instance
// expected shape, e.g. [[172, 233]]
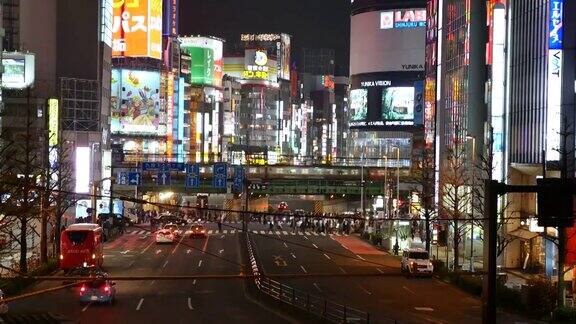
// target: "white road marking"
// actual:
[[359, 257], [131, 264], [303, 269], [256, 232], [292, 254], [284, 232], [194, 282], [158, 251], [140, 304], [316, 246], [366, 290], [316, 285], [190, 304], [165, 263], [424, 309], [86, 307], [188, 251], [409, 290], [380, 270], [221, 251], [306, 237], [262, 232], [307, 233], [124, 252], [152, 282], [232, 231], [327, 256], [341, 269], [285, 245], [199, 263], [225, 231], [222, 236], [209, 231], [314, 233], [145, 249], [278, 232]]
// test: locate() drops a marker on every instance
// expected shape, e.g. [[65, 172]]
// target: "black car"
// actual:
[[165, 219]]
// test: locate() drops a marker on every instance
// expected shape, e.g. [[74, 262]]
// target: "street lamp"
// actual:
[[472, 196]]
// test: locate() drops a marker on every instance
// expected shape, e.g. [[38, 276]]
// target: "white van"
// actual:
[[417, 262]]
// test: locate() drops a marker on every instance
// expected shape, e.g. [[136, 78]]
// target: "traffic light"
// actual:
[[555, 202]]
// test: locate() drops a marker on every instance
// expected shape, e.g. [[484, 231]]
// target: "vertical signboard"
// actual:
[[83, 168], [52, 122], [239, 175], [170, 113], [170, 21], [206, 55], [555, 57], [137, 28], [192, 175]]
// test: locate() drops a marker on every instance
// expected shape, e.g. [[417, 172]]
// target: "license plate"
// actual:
[[94, 298]]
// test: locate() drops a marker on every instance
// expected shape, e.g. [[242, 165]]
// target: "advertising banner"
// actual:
[[284, 55], [52, 122], [137, 28], [359, 104], [206, 56], [170, 21], [398, 104], [19, 70], [135, 103]]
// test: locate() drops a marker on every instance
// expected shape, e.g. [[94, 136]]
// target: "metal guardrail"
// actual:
[[321, 307]]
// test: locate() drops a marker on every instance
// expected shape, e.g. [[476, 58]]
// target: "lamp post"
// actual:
[[472, 196]]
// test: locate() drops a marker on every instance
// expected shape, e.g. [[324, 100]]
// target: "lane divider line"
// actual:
[[303, 269], [327, 256], [190, 304], [165, 263], [140, 304], [199, 263], [316, 285]]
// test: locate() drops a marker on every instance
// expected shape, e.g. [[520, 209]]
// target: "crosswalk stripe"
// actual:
[[232, 231], [262, 232], [308, 233], [284, 232], [315, 234], [209, 231], [255, 232], [278, 232], [225, 231]]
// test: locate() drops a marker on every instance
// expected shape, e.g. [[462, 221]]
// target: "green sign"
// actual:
[[202, 65]]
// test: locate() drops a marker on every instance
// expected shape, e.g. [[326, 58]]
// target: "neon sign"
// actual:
[[555, 24]]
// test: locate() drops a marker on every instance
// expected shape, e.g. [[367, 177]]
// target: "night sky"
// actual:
[[312, 23]]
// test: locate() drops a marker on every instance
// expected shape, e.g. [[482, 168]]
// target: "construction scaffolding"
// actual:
[[80, 104]]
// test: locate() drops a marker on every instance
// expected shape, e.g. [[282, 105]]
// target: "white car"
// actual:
[[165, 236], [417, 262], [173, 228]]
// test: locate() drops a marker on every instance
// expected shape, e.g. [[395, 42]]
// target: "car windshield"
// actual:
[[77, 237], [419, 255]]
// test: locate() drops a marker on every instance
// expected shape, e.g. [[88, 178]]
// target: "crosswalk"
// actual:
[[260, 232]]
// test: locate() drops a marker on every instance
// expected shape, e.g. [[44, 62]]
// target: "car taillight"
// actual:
[[82, 289], [106, 288]]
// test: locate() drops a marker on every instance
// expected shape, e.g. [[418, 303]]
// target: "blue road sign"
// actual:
[[220, 175], [134, 178], [122, 178], [149, 166], [193, 169], [192, 182], [238, 179], [163, 166], [177, 166], [164, 178]]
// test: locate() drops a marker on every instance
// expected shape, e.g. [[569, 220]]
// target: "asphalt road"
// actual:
[[158, 301], [386, 297]]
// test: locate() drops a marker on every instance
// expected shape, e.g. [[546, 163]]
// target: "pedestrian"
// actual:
[[219, 225]]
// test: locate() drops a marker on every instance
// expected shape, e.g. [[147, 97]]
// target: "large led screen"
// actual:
[[398, 104], [137, 28], [135, 103], [359, 104], [386, 41], [206, 56]]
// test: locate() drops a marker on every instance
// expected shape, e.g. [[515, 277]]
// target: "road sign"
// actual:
[[164, 167], [220, 175], [164, 178], [238, 185], [134, 178], [193, 169], [149, 166], [192, 182], [177, 166], [123, 178]]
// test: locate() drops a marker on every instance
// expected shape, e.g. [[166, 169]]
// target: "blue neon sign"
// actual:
[[555, 24]]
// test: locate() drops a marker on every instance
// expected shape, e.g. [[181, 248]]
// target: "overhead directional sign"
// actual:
[[150, 166], [220, 175], [238, 185], [177, 166], [134, 178], [164, 166], [123, 178], [193, 169], [192, 182], [164, 178]]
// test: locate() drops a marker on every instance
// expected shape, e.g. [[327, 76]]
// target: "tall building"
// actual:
[[317, 61]]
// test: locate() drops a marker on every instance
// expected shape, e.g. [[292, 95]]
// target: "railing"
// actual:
[[321, 307]]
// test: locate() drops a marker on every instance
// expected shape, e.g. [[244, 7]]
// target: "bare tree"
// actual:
[[424, 175]]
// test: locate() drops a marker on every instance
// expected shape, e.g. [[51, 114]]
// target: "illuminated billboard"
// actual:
[[170, 21], [277, 47], [411, 18], [18, 70], [206, 56], [83, 167], [284, 57], [359, 104], [137, 28], [387, 41], [135, 103], [52, 122], [387, 101]]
